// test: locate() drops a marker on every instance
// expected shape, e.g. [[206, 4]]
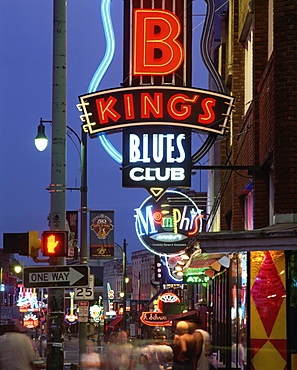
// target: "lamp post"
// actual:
[[55, 353], [41, 143], [124, 275], [138, 286]]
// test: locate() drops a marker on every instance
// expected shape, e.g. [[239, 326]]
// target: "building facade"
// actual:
[[254, 212]]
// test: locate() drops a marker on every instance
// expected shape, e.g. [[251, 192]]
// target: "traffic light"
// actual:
[[55, 243], [25, 244]]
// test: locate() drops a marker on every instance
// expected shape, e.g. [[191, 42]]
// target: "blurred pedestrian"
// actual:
[[16, 348], [157, 355], [184, 346], [238, 360], [202, 337], [120, 353], [90, 360]]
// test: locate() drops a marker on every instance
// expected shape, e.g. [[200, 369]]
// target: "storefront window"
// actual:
[[238, 311]]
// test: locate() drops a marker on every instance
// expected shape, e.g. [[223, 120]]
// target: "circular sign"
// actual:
[[165, 227]]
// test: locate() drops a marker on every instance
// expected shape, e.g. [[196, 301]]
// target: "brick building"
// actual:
[[254, 211]]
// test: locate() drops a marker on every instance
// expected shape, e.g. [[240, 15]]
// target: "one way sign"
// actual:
[[56, 276]]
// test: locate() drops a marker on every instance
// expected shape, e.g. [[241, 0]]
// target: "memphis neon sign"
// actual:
[[166, 226]]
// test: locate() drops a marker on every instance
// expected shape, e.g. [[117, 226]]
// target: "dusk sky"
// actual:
[[26, 87]]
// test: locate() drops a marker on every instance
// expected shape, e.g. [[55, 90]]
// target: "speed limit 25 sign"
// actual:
[[85, 293]]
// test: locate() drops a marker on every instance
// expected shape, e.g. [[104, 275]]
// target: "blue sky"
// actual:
[[26, 86]]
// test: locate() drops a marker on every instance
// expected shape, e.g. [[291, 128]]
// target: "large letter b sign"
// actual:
[[156, 49]]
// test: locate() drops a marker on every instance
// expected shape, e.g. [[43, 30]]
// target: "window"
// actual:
[[270, 27], [248, 211], [271, 196], [248, 73]]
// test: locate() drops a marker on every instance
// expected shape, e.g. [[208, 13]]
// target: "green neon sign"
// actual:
[[193, 279]]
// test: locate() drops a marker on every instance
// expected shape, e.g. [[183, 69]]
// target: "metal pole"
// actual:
[[55, 354], [124, 285], [83, 332], [139, 290]]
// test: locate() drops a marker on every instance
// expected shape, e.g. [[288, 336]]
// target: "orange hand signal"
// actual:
[[52, 243]]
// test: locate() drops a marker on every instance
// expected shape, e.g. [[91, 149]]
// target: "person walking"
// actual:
[[120, 354], [202, 338], [16, 348], [90, 360], [184, 347]]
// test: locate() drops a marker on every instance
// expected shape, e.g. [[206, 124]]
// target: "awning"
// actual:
[[183, 315], [275, 237], [204, 260], [115, 322]]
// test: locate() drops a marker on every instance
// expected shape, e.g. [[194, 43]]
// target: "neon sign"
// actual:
[[146, 42], [165, 226], [156, 158], [155, 105], [27, 301], [30, 321], [154, 318], [202, 278], [96, 312], [71, 318], [157, 51]]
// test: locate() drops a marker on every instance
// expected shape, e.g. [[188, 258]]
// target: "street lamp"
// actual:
[[138, 286], [41, 141]]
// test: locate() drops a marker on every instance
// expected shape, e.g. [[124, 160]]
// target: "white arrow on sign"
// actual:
[[71, 276]]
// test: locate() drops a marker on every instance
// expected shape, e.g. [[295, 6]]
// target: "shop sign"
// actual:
[[155, 319], [71, 317], [120, 108], [101, 234], [194, 279], [156, 92], [174, 308], [156, 158], [30, 321], [166, 226]]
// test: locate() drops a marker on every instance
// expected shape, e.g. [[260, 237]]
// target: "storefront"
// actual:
[[249, 306]]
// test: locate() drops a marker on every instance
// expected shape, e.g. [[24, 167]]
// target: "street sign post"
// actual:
[[56, 276], [83, 311], [85, 293]]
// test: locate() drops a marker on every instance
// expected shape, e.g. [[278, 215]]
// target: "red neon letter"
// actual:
[[209, 115], [105, 110], [151, 105], [185, 110], [129, 106], [146, 42]]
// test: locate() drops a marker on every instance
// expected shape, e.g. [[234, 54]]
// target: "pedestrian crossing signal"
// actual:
[[55, 243]]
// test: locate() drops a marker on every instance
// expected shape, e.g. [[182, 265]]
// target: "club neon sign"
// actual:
[[156, 157], [166, 226]]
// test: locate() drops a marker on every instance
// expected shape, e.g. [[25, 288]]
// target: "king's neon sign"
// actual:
[[147, 42], [155, 105], [165, 227], [157, 43]]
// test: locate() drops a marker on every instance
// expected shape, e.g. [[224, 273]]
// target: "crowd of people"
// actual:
[[188, 350]]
